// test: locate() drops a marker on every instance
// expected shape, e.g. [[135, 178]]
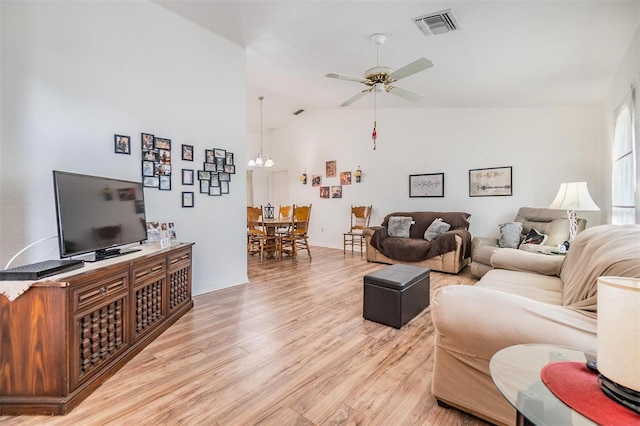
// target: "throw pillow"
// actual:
[[510, 234], [399, 226], [436, 228], [534, 237]]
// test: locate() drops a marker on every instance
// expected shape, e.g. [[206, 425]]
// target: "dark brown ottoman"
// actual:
[[395, 295]]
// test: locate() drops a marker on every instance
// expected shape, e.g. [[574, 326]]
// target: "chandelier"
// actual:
[[258, 162]]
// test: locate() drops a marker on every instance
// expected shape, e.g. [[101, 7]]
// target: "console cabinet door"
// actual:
[[149, 295], [179, 279], [100, 325]]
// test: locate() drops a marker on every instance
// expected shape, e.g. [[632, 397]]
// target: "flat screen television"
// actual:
[[97, 215]]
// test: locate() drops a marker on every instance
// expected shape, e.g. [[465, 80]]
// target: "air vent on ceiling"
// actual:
[[437, 23], [300, 111]]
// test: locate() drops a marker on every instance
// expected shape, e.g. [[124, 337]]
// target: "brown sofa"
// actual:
[[527, 298], [450, 252]]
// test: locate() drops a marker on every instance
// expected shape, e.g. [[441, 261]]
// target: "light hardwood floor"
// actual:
[[288, 348]]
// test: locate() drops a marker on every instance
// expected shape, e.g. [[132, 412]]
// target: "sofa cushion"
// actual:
[[518, 260], [534, 237], [437, 227], [399, 226], [602, 250], [543, 288], [510, 234]]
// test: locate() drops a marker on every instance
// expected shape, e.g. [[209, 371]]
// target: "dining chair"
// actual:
[[284, 213], [297, 238], [360, 216], [258, 240]]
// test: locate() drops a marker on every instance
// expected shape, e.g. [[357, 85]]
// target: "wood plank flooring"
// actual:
[[288, 348]]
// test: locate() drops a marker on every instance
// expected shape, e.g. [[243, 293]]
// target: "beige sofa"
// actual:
[[452, 261], [527, 298], [553, 223]]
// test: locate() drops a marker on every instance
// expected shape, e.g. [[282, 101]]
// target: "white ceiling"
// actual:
[[506, 54]]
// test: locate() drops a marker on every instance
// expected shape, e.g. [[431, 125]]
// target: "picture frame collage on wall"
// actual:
[[331, 171], [215, 177], [486, 182], [156, 162]]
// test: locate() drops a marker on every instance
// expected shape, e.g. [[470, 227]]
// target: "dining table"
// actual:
[[271, 226]]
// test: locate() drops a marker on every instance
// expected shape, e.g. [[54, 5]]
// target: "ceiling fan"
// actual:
[[381, 78]]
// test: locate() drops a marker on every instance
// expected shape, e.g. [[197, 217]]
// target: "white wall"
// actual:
[[544, 146], [75, 73]]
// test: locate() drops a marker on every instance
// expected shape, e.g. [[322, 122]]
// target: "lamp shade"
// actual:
[[574, 196], [619, 330]]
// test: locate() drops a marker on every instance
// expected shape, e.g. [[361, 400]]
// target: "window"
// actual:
[[623, 182]]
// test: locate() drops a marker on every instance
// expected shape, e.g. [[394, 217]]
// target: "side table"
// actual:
[[516, 373]]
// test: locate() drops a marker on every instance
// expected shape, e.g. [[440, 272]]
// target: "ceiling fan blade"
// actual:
[[404, 93], [355, 98], [410, 69], [346, 77]]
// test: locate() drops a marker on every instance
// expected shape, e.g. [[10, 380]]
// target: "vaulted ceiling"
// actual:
[[504, 54]]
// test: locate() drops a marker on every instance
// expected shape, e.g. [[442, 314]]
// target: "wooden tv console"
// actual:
[[63, 338]]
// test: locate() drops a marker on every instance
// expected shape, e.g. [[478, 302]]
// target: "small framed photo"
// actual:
[[215, 190], [122, 144], [336, 191], [162, 169], [495, 181], [324, 192], [148, 168], [147, 141], [316, 180], [165, 183], [204, 186], [165, 156], [330, 168], [229, 159], [230, 168], [187, 199], [215, 180], [187, 176], [150, 155], [162, 143], [224, 177], [220, 163], [151, 182], [426, 185], [345, 178], [208, 156], [224, 187], [210, 167], [187, 152], [203, 175], [220, 153]]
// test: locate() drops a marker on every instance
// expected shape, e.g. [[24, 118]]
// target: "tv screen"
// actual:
[[96, 214]]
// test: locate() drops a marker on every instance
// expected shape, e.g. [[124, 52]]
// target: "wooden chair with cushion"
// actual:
[[258, 240], [297, 238], [284, 213], [360, 216]]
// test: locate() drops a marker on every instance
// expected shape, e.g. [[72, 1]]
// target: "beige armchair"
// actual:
[[553, 223]]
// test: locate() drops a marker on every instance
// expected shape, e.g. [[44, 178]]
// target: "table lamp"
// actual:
[[573, 196], [619, 339]]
